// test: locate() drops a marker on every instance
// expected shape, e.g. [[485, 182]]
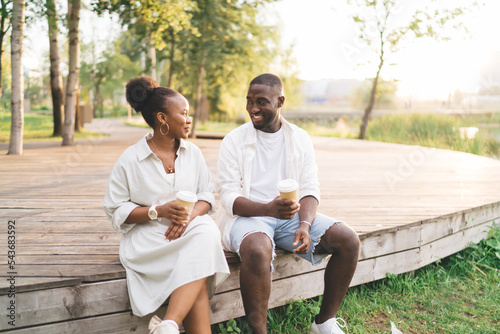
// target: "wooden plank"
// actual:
[[86, 272], [390, 241], [61, 238], [453, 243], [25, 284], [67, 250], [69, 259], [119, 323], [61, 304], [450, 224]]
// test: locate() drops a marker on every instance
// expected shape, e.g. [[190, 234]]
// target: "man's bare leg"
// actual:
[[255, 279], [342, 242]]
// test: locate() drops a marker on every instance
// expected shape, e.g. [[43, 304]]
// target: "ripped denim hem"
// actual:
[[272, 242]]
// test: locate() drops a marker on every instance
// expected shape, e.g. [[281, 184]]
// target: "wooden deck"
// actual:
[[410, 205]]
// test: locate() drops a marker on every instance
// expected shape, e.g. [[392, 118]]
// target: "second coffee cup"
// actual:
[[288, 189]]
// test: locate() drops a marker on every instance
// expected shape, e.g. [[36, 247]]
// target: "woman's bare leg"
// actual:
[[197, 321], [182, 300]]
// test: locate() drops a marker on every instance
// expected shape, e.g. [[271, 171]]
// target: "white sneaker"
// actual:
[[156, 326], [331, 326]]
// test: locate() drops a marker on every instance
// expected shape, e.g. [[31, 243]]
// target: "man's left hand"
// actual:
[[302, 236]]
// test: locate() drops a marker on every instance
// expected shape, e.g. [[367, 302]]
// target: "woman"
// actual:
[[166, 252]]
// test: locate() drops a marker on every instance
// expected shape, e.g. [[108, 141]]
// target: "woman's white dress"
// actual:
[[155, 267]]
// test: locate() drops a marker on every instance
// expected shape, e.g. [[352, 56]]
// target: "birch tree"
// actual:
[[383, 25], [6, 13], [17, 125], [74, 71], [56, 83]]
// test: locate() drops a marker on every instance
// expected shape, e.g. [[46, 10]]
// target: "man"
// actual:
[[254, 219]]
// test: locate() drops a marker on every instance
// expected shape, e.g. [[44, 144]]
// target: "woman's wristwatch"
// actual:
[[152, 213]]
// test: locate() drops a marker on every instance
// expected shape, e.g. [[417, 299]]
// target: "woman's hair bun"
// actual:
[[139, 90]]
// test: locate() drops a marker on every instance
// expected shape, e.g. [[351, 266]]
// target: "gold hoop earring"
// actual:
[[168, 129]]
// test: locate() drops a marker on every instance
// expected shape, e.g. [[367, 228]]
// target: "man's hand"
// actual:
[[283, 208], [302, 236]]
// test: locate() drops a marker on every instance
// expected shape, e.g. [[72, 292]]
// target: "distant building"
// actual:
[[328, 92]]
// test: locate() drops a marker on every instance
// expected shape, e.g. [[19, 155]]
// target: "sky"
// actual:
[[322, 36], [325, 47]]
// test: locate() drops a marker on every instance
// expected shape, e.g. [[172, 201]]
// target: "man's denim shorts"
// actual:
[[281, 232]]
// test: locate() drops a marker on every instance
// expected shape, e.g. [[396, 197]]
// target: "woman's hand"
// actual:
[[179, 217]]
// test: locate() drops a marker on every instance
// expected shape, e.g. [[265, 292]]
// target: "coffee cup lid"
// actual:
[[287, 185], [187, 196]]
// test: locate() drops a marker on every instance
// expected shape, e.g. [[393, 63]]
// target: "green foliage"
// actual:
[[230, 327], [106, 76], [430, 130], [210, 46], [295, 317], [230, 48], [150, 19]]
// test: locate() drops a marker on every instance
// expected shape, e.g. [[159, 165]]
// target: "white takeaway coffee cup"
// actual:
[[187, 199], [288, 189]]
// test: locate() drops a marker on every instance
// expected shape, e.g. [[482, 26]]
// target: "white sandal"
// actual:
[[157, 326]]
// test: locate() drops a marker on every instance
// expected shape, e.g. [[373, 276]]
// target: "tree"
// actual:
[[107, 74], [229, 45], [17, 125], [73, 75], [150, 19], [4, 28], [383, 34], [56, 84]]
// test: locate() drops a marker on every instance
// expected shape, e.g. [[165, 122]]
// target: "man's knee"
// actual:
[[256, 249], [340, 238]]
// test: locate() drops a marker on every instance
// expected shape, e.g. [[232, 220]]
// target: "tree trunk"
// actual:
[[172, 57], [371, 103], [78, 118], [56, 84], [74, 70], [199, 93], [152, 59], [17, 108], [98, 98]]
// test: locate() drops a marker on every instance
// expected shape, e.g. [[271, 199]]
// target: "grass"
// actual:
[[458, 294], [37, 127], [433, 130], [430, 130]]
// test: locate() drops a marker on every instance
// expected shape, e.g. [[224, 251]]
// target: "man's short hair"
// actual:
[[268, 79]]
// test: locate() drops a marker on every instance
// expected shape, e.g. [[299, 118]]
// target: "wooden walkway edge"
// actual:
[[410, 205]]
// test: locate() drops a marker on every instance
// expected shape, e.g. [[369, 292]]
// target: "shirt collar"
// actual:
[[252, 139], [144, 151]]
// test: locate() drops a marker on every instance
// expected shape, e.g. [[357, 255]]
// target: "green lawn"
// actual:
[[423, 129], [37, 127]]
